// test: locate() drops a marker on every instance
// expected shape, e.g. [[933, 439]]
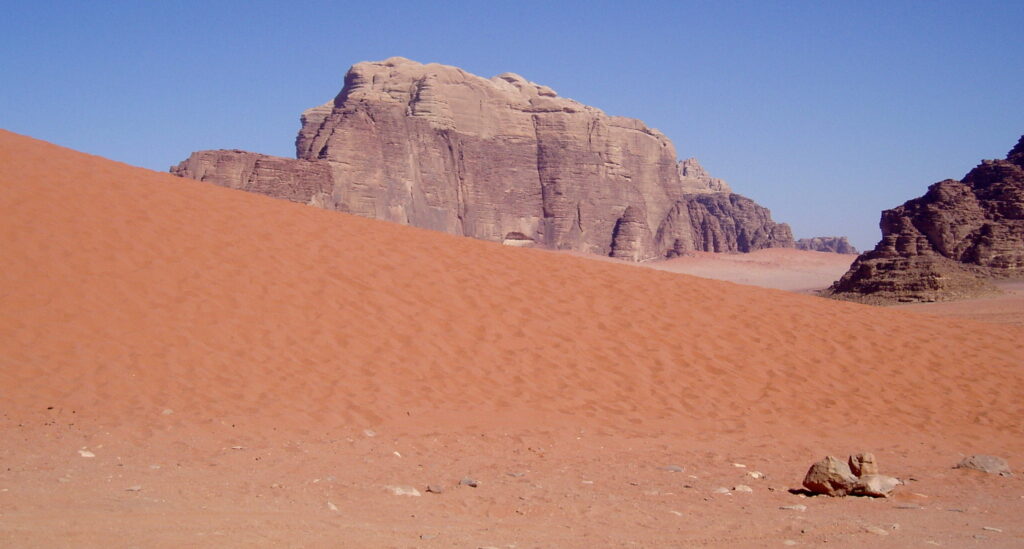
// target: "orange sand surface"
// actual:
[[780, 268], [251, 372]]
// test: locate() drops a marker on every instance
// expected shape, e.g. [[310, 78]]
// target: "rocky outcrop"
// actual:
[[696, 179], [831, 244], [500, 159], [720, 222], [948, 243], [291, 179]]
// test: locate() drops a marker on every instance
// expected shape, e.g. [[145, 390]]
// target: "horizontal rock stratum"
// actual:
[[948, 243], [500, 159]]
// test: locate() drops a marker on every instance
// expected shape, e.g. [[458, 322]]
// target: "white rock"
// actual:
[[755, 474], [332, 506], [86, 454], [403, 491], [743, 488]]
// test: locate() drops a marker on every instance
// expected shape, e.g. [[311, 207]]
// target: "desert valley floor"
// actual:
[[187, 365]]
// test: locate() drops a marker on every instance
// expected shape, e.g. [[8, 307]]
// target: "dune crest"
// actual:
[[267, 370]]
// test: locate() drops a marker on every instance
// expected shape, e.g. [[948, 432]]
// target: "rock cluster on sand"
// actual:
[[500, 159], [858, 476], [833, 244], [948, 243]]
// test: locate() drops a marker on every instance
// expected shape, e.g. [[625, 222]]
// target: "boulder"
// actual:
[[987, 464], [863, 464], [831, 477], [874, 485]]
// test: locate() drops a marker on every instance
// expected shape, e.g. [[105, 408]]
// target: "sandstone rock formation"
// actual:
[[500, 159], [832, 244], [696, 179], [948, 243]]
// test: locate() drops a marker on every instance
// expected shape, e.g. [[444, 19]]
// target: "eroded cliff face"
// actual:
[[500, 159], [948, 243]]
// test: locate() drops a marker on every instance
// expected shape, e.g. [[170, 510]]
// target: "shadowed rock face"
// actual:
[[948, 243], [721, 222], [500, 159], [832, 244]]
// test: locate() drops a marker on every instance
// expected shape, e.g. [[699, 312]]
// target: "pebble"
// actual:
[[789, 542], [991, 529], [672, 468], [435, 489], [909, 506], [369, 432], [427, 536], [134, 488], [739, 465], [586, 482], [469, 482], [332, 506], [167, 411], [516, 475], [722, 490], [743, 488], [877, 531], [86, 454], [800, 508], [755, 474], [404, 491], [676, 513], [238, 447]]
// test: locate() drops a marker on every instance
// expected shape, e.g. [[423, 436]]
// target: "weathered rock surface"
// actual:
[[500, 159], [858, 476], [831, 477], [832, 244], [949, 243], [720, 222], [863, 464], [874, 485], [993, 465], [696, 179]]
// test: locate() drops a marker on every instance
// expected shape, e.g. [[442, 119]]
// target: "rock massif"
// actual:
[[833, 244], [500, 159], [949, 243]]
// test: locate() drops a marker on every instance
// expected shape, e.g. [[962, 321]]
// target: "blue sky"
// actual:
[[825, 112]]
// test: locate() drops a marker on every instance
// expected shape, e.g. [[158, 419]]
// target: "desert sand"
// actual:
[[188, 365], [779, 268]]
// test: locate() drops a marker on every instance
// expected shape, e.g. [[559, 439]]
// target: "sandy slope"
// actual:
[[780, 268], [246, 361]]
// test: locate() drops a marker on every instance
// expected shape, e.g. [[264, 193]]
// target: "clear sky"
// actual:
[[825, 112]]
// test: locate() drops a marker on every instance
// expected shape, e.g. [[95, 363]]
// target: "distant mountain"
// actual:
[[833, 244]]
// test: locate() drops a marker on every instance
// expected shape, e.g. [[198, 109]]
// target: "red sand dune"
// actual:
[[158, 322]]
